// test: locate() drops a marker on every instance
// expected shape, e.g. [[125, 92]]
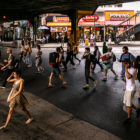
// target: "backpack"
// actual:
[[52, 58], [114, 57]]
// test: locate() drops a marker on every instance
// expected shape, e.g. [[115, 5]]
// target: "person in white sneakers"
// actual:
[[108, 64], [131, 75]]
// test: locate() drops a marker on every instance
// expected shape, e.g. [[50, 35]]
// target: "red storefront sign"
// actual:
[[92, 18]]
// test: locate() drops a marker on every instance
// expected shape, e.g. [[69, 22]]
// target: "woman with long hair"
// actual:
[[16, 98], [137, 65]]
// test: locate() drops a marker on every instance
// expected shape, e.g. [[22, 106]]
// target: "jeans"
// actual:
[[28, 60], [69, 58], [8, 72], [87, 75], [97, 62]]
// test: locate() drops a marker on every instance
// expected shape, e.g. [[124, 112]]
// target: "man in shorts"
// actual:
[[56, 70], [108, 64], [131, 75]]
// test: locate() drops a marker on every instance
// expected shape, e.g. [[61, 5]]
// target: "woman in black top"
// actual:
[[138, 68]]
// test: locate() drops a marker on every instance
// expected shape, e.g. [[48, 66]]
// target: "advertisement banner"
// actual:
[[118, 15], [61, 19]]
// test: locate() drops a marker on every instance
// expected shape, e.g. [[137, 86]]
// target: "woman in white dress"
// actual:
[[16, 98]]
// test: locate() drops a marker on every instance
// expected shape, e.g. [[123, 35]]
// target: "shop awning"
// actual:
[[58, 24], [43, 28], [132, 22], [91, 24]]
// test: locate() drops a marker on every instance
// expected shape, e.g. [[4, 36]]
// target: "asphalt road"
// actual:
[[101, 107]]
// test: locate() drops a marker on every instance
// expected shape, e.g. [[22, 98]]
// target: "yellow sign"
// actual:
[[59, 24], [118, 15]]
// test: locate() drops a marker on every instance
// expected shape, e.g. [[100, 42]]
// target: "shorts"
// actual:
[[38, 62], [128, 97], [108, 66], [56, 71]]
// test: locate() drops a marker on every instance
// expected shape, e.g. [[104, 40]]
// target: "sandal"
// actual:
[[29, 121]]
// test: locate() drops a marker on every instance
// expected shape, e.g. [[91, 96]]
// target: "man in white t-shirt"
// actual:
[[131, 75]]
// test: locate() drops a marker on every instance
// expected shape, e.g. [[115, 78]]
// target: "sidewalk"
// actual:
[[128, 43], [54, 45], [51, 123]]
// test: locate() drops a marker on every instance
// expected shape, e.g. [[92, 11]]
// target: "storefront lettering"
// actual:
[[119, 17]]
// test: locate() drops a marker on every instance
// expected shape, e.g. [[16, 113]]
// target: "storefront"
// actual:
[[114, 18], [60, 27], [16, 30], [90, 27]]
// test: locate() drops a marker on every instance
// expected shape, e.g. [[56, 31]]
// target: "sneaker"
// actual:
[[104, 79], [29, 66], [138, 113], [102, 70], [86, 86], [93, 72], [74, 67], [2, 87], [65, 70], [95, 83], [116, 77]]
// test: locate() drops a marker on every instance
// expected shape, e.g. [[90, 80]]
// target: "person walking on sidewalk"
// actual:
[[89, 60], [125, 55], [75, 52], [137, 63], [62, 58], [104, 49], [130, 90], [97, 55], [22, 52], [9, 67], [70, 55], [108, 64], [55, 68], [28, 60], [16, 98], [38, 58]]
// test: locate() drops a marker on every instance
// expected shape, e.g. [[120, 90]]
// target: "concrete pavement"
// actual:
[[50, 123], [102, 108]]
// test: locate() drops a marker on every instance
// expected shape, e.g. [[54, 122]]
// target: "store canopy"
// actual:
[[27, 9], [43, 28]]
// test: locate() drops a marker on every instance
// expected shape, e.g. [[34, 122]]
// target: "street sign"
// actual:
[[92, 18]]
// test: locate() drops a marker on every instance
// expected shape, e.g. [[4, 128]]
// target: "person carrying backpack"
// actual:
[[54, 62], [125, 55], [9, 67]]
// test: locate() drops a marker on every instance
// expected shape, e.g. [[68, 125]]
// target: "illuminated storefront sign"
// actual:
[[116, 17], [58, 24], [61, 19], [58, 29], [92, 18], [119, 17]]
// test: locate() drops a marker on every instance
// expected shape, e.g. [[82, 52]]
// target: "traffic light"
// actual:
[[4, 17]]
